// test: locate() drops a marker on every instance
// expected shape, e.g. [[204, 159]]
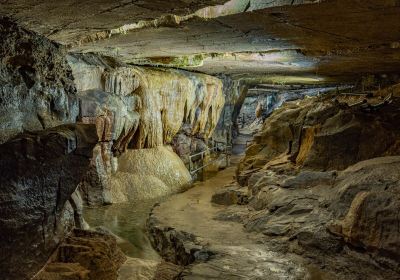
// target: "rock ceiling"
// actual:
[[278, 41]]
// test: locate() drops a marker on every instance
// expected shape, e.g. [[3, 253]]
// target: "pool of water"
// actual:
[[128, 221]]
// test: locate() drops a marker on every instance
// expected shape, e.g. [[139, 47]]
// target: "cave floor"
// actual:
[[236, 254]]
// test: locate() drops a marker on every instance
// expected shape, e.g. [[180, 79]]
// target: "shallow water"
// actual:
[[128, 221]]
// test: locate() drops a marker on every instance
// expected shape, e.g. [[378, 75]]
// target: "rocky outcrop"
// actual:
[[366, 206], [298, 193], [39, 173], [178, 247], [297, 224], [263, 100], [324, 133], [230, 195], [36, 84], [84, 255], [359, 205]]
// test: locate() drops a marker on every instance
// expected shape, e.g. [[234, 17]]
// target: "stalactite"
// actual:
[[166, 94], [159, 97]]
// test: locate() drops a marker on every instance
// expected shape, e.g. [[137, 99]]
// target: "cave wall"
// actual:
[[36, 85], [231, 91], [39, 173], [65, 120], [324, 133], [43, 156]]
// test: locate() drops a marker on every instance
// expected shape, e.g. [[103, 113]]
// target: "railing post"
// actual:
[[227, 157], [190, 164]]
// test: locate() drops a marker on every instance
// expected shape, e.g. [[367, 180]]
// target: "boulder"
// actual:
[[85, 255], [230, 195]]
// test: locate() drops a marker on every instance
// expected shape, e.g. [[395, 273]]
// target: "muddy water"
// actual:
[[128, 221]]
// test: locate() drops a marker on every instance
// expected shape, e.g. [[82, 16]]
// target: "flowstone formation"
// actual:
[[106, 110], [139, 108], [148, 174]]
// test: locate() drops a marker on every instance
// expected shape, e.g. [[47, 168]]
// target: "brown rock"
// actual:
[[319, 134], [85, 255]]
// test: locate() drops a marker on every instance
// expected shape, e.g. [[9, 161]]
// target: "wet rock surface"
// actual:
[[286, 233], [134, 269], [39, 174], [315, 197], [185, 230]]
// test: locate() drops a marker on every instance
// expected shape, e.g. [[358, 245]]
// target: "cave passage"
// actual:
[[206, 139]]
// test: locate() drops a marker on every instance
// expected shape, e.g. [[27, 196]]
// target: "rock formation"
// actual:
[[323, 133], [37, 89], [39, 173], [139, 108], [297, 191], [84, 255], [309, 194], [148, 174]]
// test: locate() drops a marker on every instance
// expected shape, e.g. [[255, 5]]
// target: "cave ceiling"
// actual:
[[278, 41]]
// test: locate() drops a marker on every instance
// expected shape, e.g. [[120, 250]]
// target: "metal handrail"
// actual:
[[215, 148]]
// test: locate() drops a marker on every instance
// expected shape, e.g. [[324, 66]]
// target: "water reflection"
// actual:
[[128, 221]]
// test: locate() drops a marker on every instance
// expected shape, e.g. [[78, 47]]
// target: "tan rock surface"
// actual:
[[149, 173], [318, 133]]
